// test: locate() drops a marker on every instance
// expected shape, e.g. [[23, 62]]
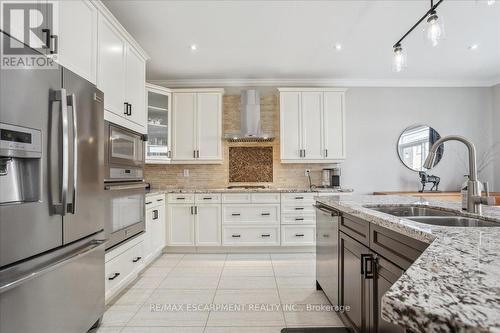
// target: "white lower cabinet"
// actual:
[[194, 220], [180, 224], [122, 266], [241, 219], [156, 234], [207, 225]]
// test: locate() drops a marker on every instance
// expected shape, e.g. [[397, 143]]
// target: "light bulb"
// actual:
[[490, 2], [399, 59], [434, 31]]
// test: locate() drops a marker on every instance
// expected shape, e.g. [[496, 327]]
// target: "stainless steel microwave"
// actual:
[[124, 151]]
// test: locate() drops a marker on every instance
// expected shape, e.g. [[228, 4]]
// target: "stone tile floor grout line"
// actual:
[[277, 288], [215, 292]]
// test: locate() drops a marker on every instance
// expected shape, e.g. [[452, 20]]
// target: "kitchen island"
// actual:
[[454, 285]]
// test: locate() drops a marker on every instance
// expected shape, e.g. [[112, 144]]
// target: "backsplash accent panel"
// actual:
[[250, 164]]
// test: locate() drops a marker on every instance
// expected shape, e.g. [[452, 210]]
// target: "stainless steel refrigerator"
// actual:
[[52, 202]]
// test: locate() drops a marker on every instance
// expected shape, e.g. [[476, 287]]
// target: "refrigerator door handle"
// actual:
[[72, 103], [60, 207]]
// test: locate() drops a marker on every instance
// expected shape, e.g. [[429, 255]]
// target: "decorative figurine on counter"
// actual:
[[425, 179]]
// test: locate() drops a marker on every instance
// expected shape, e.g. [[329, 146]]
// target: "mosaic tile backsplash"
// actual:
[[250, 164]]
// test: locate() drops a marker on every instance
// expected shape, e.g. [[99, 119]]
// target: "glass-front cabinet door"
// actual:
[[159, 122]]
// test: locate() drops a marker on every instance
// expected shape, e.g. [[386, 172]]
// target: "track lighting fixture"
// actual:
[[434, 32]]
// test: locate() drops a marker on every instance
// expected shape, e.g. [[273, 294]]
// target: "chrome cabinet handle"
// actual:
[[114, 276], [72, 103], [299, 219], [266, 235], [180, 198], [136, 259], [126, 109], [299, 208], [299, 235], [207, 198], [60, 96], [47, 38], [299, 198], [192, 210], [55, 46], [155, 214], [326, 152], [236, 236], [265, 214], [129, 109], [235, 214], [195, 210], [159, 200]]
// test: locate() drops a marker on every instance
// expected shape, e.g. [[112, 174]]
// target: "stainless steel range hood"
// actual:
[[251, 127]]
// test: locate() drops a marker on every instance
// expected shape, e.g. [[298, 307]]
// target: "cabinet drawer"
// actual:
[[298, 235], [266, 198], [305, 208], [298, 219], [250, 236], [298, 198], [155, 200], [400, 249], [268, 214], [120, 267], [201, 198], [356, 228], [180, 198], [236, 198]]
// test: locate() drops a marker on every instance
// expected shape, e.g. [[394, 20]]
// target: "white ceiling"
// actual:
[[295, 40]]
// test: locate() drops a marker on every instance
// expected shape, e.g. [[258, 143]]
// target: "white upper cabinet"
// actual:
[[312, 119], [77, 42], [197, 126], [121, 74], [183, 126], [334, 125], [290, 126], [135, 83], [159, 100], [111, 73], [209, 126], [312, 126]]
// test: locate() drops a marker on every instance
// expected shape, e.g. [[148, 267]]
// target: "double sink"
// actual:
[[433, 216]]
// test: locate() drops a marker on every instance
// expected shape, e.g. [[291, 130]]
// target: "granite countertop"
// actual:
[[454, 286], [246, 190]]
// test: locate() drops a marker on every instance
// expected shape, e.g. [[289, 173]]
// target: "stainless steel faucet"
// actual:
[[474, 197]]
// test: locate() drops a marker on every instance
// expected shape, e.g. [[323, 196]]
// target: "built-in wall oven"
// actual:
[[124, 183]]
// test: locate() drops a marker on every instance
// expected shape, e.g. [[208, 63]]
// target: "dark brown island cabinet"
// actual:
[[371, 259]]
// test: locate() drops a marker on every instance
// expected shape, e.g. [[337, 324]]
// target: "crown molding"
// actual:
[[191, 83]]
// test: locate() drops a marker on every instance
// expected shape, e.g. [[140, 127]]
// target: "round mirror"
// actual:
[[414, 144]]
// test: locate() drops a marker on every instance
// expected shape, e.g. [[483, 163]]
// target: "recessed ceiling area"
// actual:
[[312, 40]]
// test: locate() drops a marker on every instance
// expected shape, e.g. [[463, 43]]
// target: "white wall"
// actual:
[[377, 116], [496, 134]]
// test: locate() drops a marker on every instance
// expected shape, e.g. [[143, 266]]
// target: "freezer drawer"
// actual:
[[65, 295]]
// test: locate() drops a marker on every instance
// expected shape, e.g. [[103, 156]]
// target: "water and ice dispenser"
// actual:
[[20, 164]]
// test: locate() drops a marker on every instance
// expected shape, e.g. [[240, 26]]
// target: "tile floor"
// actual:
[[221, 293]]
